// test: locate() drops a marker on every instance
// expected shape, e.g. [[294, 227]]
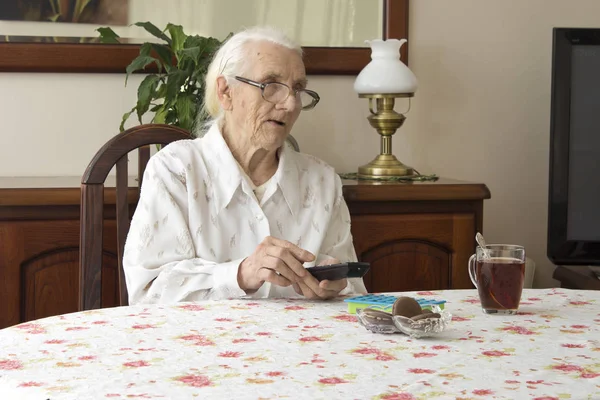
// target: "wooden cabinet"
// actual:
[[41, 273], [417, 236], [39, 248]]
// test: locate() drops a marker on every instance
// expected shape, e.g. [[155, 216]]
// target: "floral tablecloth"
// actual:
[[301, 349]]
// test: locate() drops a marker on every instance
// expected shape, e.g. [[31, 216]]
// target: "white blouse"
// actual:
[[197, 219]]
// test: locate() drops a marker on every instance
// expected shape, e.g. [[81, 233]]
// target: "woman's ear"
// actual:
[[224, 93]]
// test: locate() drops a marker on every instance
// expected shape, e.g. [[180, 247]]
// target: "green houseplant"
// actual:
[[175, 93]]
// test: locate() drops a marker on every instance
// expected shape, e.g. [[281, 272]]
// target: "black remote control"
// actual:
[[335, 272]]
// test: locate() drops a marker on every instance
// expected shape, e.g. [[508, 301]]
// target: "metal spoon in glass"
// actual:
[[481, 242]]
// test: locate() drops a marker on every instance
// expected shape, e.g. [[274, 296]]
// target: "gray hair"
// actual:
[[231, 60]]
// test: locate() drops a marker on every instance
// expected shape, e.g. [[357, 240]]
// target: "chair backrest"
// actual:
[[114, 152]]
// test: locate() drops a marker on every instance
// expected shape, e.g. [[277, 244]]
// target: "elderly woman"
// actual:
[[238, 212]]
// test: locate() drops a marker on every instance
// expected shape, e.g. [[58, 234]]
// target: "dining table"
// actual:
[[307, 349]]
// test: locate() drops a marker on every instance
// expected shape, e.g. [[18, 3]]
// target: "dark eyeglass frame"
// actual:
[[262, 87]]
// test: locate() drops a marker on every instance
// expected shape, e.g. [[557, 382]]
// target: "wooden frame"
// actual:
[[105, 58]]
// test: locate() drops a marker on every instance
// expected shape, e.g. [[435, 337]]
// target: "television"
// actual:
[[574, 187]]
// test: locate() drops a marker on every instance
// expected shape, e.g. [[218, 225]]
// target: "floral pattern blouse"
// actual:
[[198, 218], [297, 349]]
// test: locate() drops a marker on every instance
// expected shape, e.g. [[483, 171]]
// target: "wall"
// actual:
[[481, 112], [483, 109], [56, 122]]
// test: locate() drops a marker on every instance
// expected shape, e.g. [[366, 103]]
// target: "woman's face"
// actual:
[[266, 124]]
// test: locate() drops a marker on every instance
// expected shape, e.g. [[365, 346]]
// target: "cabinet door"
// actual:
[[415, 251], [39, 269]]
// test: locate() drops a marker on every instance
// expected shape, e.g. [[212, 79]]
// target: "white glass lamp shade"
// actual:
[[385, 73]]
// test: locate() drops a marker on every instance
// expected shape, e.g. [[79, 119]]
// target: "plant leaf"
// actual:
[[186, 109], [187, 66], [171, 118], [55, 6], [160, 116], [175, 81], [164, 54], [165, 58], [192, 53], [227, 38], [146, 92], [125, 118], [175, 95], [162, 90], [153, 30], [145, 49], [208, 46], [107, 35], [177, 36], [140, 62], [80, 6]]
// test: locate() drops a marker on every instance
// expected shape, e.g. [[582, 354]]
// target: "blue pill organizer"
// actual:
[[385, 302]]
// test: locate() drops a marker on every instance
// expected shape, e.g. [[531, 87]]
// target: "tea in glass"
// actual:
[[498, 272]]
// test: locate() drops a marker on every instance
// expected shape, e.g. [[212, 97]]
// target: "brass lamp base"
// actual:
[[386, 121], [384, 165]]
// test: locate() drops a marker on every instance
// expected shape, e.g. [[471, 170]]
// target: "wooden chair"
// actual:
[[114, 152]]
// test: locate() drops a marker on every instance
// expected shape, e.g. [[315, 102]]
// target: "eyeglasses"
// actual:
[[276, 92]]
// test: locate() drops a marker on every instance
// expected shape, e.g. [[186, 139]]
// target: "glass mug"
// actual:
[[498, 273]]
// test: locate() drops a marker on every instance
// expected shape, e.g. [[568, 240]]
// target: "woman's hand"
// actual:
[[276, 261], [311, 288]]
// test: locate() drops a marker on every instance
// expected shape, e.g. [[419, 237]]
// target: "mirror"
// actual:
[[329, 23], [332, 32]]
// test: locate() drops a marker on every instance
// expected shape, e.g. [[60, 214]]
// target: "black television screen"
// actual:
[[574, 195]]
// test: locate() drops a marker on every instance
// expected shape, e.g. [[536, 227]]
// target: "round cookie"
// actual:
[[406, 307]]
